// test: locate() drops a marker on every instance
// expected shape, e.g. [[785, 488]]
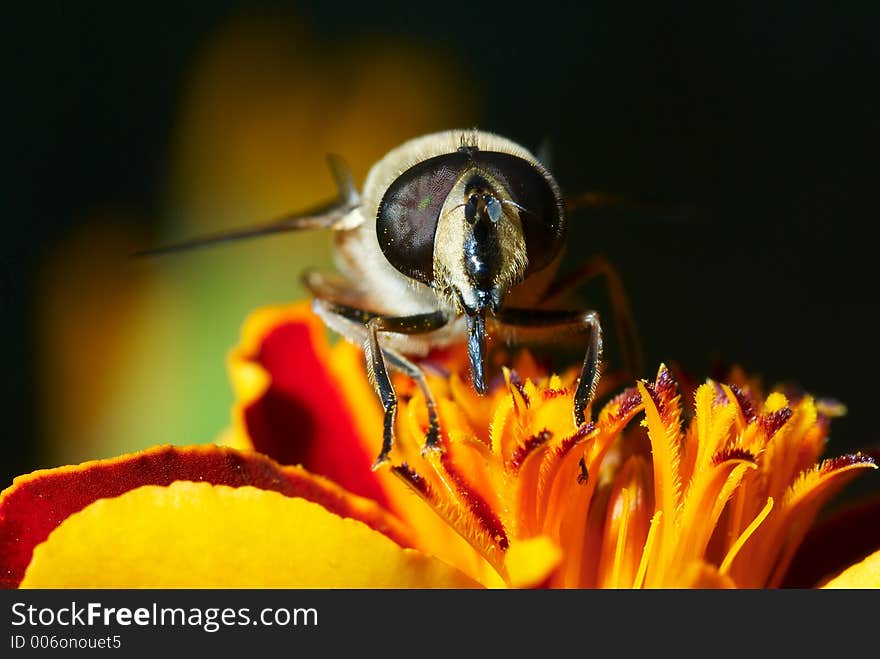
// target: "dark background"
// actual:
[[763, 120]]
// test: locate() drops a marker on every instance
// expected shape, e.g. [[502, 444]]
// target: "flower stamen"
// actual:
[[745, 535]]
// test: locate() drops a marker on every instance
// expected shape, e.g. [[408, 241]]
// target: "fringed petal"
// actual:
[[662, 417]]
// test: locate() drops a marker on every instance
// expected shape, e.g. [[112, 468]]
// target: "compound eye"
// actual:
[[406, 222], [540, 209]]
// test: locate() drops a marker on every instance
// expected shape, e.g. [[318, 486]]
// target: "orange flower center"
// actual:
[[722, 497]]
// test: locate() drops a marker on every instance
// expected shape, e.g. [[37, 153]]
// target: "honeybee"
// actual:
[[455, 235]]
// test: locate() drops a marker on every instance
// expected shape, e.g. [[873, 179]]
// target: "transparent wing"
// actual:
[[325, 216]]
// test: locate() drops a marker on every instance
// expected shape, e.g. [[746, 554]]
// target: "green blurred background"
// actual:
[[135, 126]]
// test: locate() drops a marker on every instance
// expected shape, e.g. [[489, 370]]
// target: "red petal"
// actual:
[[301, 417], [37, 503]]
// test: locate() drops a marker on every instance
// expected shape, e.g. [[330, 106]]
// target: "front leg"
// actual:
[[581, 320], [361, 326], [417, 324]]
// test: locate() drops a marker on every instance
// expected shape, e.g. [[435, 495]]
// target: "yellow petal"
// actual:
[[530, 563], [197, 535], [861, 575], [700, 575]]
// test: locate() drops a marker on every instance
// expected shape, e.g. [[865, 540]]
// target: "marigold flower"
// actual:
[[712, 486]]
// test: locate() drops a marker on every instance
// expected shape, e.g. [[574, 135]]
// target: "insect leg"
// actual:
[[624, 325], [581, 320], [360, 325], [584, 474], [417, 324]]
